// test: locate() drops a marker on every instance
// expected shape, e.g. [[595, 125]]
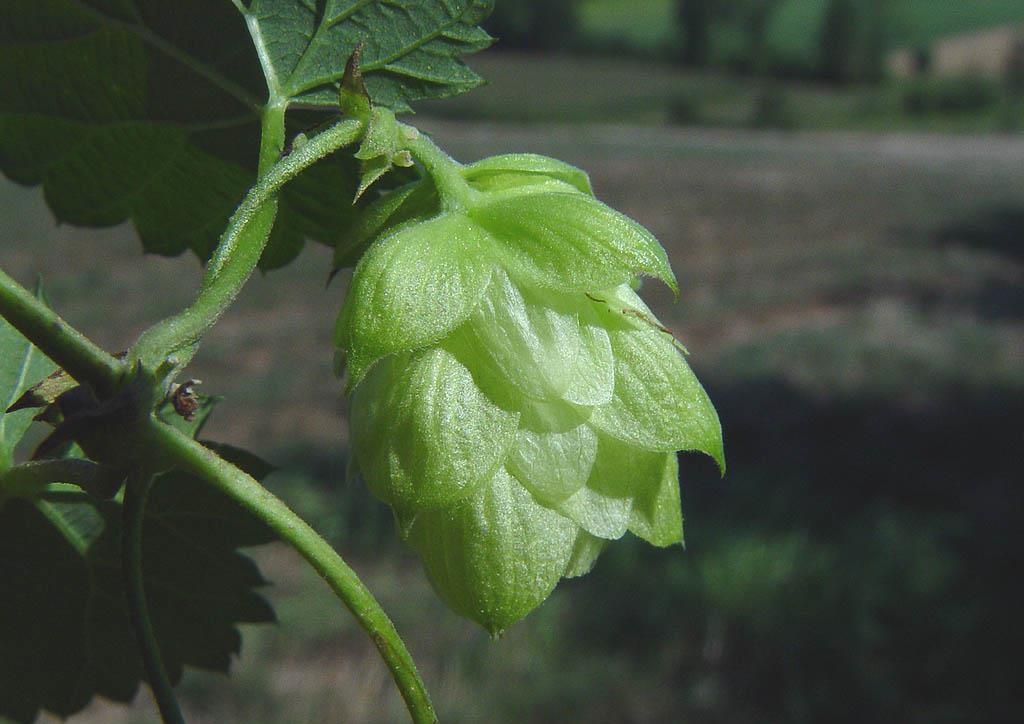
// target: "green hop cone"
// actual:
[[513, 400]]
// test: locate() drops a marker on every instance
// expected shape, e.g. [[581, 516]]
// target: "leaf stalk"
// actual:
[[133, 511], [456, 193]]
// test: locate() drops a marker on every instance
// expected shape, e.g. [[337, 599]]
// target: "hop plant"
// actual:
[[513, 399]]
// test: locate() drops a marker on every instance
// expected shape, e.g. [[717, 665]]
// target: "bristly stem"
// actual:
[[446, 172], [203, 462], [133, 513], [242, 244], [176, 449]]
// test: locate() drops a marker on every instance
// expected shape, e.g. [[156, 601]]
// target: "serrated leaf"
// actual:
[[424, 435], [412, 288], [21, 366], [571, 242], [659, 404], [497, 555], [147, 112], [64, 633], [411, 49]]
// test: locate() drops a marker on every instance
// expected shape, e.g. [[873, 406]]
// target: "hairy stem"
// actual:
[[234, 259], [174, 449], [67, 347], [240, 247], [133, 511], [446, 172], [193, 457]]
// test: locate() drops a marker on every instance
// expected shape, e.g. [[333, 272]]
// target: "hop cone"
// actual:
[[514, 401]]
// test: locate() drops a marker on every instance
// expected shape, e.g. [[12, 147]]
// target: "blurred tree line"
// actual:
[[853, 36], [536, 24]]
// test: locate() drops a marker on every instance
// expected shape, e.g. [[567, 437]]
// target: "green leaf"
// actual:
[[133, 111], [412, 288], [659, 404], [21, 366], [571, 242], [497, 555], [64, 633], [411, 49], [382, 149], [423, 434]]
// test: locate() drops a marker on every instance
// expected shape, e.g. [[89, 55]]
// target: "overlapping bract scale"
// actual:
[[497, 555], [426, 436], [413, 288], [513, 399], [537, 341]]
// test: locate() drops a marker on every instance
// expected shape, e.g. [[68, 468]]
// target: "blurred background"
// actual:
[[840, 186]]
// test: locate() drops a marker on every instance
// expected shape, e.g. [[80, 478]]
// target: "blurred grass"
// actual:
[[853, 304]]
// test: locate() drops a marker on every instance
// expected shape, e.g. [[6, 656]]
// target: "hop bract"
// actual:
[[514, 401]]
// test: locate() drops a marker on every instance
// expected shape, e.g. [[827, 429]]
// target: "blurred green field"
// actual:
[[643, 24], [650, 25], [854, 304], [529, 88]]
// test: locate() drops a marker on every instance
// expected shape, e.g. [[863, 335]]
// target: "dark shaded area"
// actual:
[[694, 18], [318, 485], [535, 24], [858, 563], [999, 230], [65, 635]]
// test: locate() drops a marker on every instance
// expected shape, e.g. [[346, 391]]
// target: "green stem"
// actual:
[[240, 247], [31, 478], [193, 457], [67, 347], [133, 511], [456, 193], [236, 257], [174, 449]]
